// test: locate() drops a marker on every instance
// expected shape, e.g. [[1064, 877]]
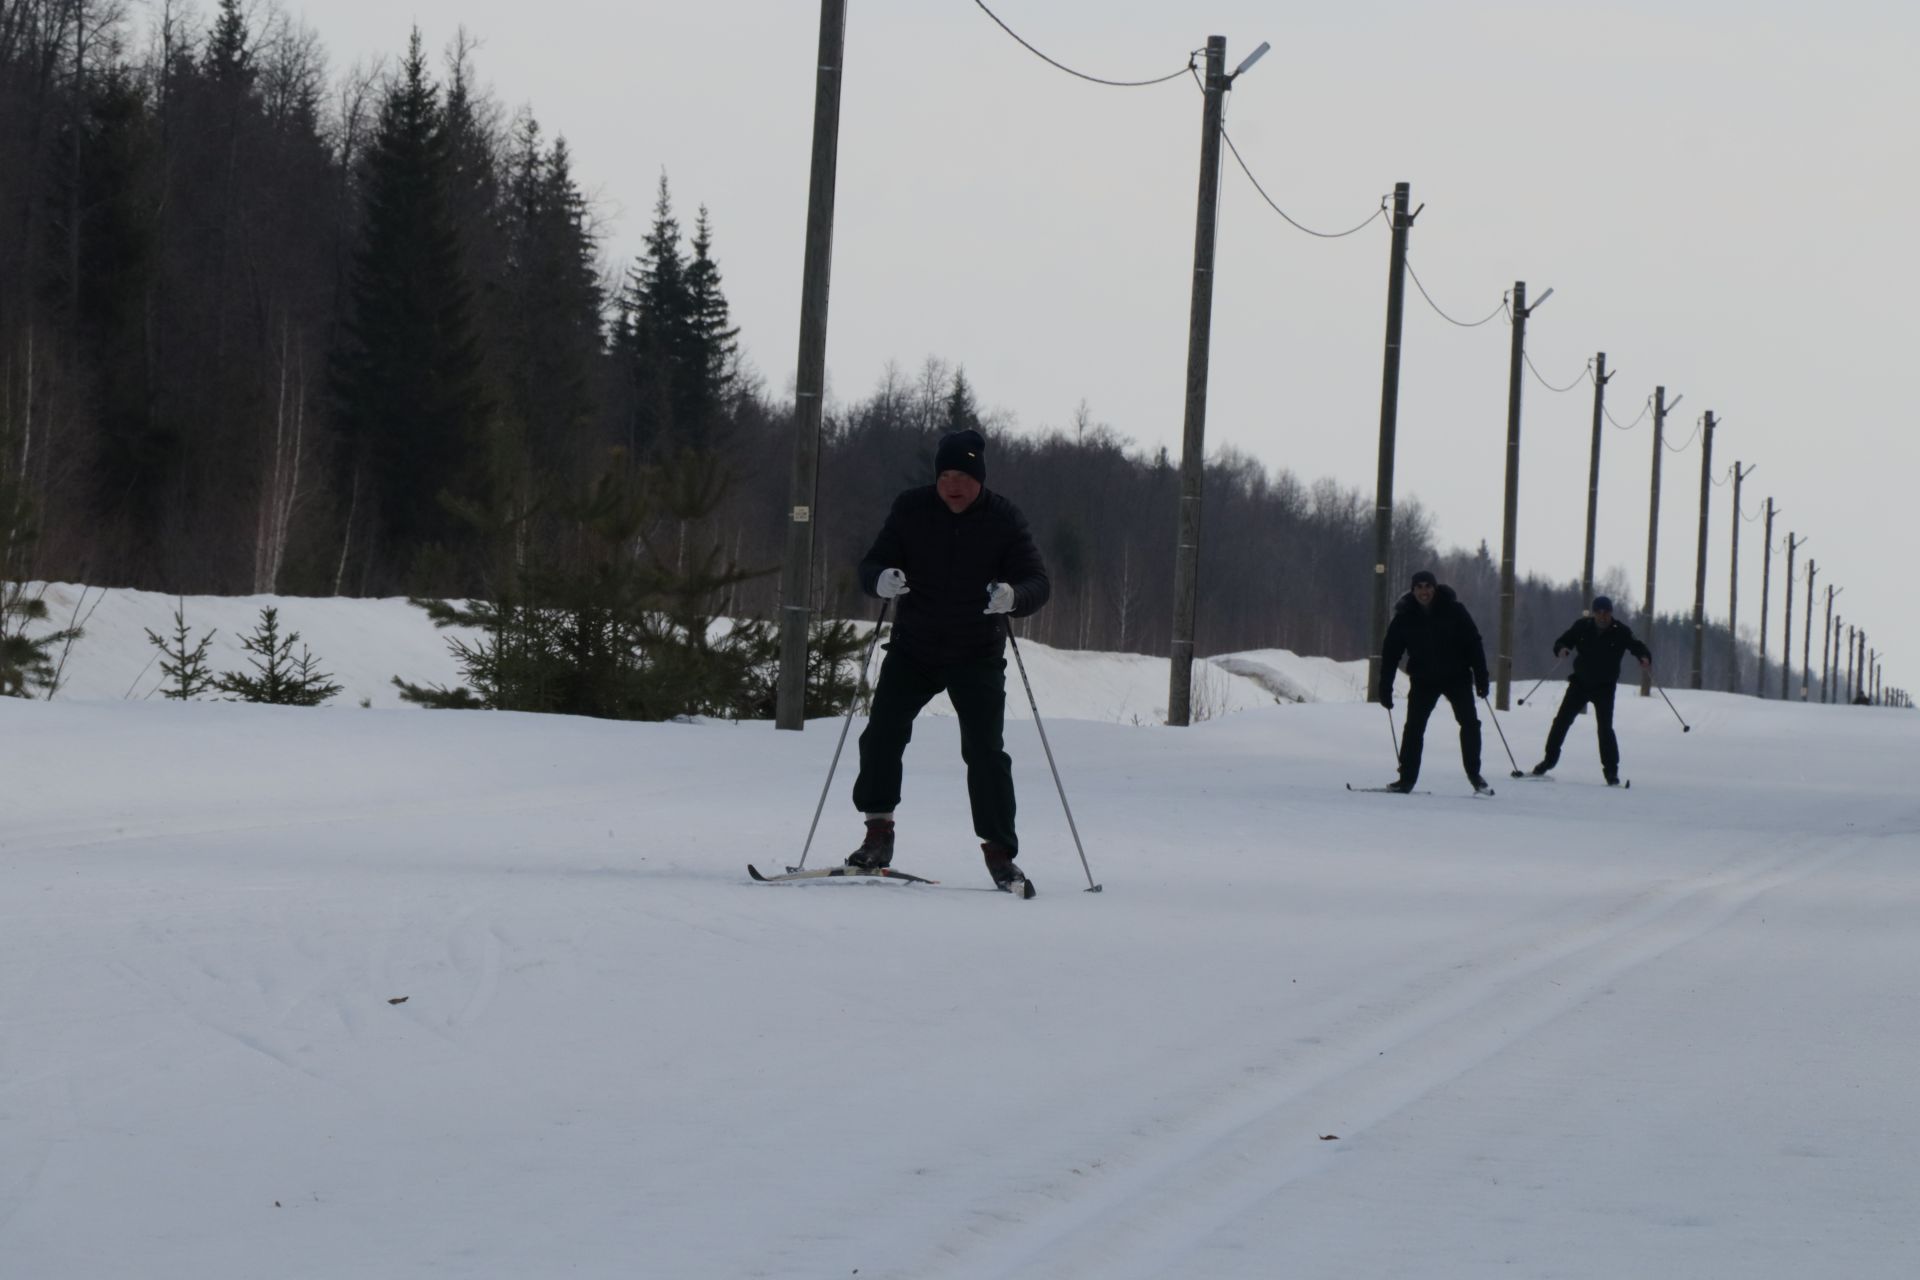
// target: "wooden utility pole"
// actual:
[[1700, 563], [1193, 448], [1733, 591], [1852, 641], [1827, 649], [1786, 638], [1653, 526], [1830, 685], [1806, 642], [1860, 647], [796, 582], [1600, 376], [1503, 673], [1389, 420], [1766, 588]]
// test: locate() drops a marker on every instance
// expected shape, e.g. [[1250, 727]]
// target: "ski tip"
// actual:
[[755, 873]]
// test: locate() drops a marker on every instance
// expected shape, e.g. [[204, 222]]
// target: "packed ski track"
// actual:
[[345, 992]]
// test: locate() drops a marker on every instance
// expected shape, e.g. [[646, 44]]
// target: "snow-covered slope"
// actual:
[[364, 644], [345, 993]]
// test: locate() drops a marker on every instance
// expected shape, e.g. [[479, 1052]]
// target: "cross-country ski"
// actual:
[[827, 873]]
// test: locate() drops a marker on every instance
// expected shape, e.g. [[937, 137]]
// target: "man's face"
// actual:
[[1603, 618], [1423, 595], [957, 490]]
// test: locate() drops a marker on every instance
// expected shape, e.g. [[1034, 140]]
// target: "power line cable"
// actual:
[[1464, 324], [1645, 409], [1584, 375], [1118, 84], [1324, 235]]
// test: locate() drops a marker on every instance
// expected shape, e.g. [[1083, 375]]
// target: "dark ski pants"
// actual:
[[1420, 704], [1578, 696], [978, 691]]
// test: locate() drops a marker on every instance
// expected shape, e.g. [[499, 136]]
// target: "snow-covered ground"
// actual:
[[1567, 1031]]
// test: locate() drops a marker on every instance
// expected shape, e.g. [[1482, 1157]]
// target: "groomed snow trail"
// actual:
[[315, 994]]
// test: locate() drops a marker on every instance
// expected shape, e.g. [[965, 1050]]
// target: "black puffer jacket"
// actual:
[[949, 560], [1441, 644], [1596, 652]]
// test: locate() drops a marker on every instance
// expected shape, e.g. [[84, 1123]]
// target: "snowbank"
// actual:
[[364, 644]]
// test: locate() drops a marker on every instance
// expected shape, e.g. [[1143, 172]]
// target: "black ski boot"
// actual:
[[1612, 776], [1007, 877], [876, 851], [1400, 785], [1540, 770]]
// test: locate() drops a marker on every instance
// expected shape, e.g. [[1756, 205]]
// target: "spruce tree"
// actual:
[[28, 667], [229, 58], [962, 413], [713, 352], [624, 624], [408, 378], [655, 331], [185, 670], [549, 309], [105, 271], [278, 677]]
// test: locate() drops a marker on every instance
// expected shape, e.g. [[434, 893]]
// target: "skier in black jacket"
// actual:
[[1596, 643], [954, 558], [1445, 659]]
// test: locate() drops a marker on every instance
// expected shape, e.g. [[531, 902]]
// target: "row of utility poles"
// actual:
[[1863, 665]]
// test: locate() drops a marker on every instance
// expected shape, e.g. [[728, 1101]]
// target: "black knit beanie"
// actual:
[[1425, 578], [962, 451]]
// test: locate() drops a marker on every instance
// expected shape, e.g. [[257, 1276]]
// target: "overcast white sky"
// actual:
[[1720, 193]]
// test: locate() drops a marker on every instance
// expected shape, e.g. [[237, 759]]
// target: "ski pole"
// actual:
[[1502, 732], [1018, 661], [1684, 726], [852, 705], [1393, 734], [1543, 679]]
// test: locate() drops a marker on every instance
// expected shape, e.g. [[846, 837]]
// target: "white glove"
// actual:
[[893, 582], [999, 598]]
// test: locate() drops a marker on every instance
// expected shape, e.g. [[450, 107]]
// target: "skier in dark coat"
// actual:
[[1445, 659], [956, 559], [1597, 644]]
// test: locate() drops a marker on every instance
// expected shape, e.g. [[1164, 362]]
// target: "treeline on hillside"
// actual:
[[264, 328], [262, 331], [1283, 563]]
